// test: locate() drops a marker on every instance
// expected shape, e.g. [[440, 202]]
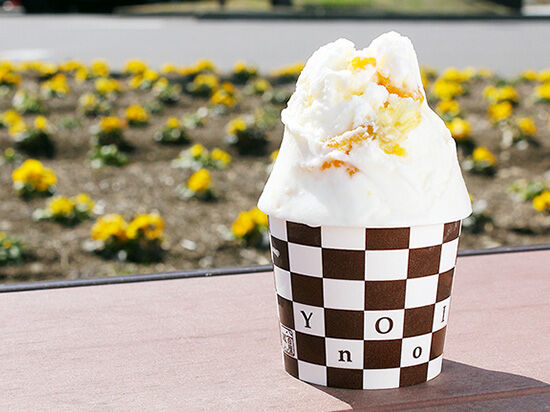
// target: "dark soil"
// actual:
[[196, 231]]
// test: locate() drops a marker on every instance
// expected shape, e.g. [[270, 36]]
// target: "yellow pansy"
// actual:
[[541, 202], [259, 217], [223, 98], [500, 111], [110, 124], [150, 225], [87, 99], [17, 128], [41, 123], [111, 225], [197, 150], [219, 155], [261, 85], [544, 76], [527, 126], [10, 117], [104, 85], [243, 225], [482, 154], [100, 68], [135, 66], [235, 126], [33, 173], [209, 80], [84, 202], [61, 206], [290, 70], [173, 123], [202, 65], [446, 90], [543, 91], [529, 75], [168, 68], [136, 113], [460, 128], [450, 107], [199, 181]]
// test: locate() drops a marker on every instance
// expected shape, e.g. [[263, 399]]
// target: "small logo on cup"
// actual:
[[287, 341], [276, 252]]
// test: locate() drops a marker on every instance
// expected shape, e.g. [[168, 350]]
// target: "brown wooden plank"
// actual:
[[213, 344]]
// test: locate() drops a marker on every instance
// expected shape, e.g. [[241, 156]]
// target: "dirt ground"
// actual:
[[196, 231]]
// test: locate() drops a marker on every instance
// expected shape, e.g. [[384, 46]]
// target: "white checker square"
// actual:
[[421, 291], [277, 228], [384, 324], [344, 353], [448, 255], [312, 373], [416, 350], [336, 237], [386, 264], [424, 236], [309, 319], [282, 283], [344, 294], [381, 378], [441, 314], [434, 367], [305, 260]]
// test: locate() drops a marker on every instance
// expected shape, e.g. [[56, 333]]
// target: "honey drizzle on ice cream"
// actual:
[[396, 118]]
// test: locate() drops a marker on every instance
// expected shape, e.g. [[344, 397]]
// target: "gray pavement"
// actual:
[[504, 46]]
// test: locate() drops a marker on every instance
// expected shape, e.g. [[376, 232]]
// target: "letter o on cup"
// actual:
[[384, 325], [417, 352]]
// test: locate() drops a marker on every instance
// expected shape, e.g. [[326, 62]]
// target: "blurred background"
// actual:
[[136, 138]]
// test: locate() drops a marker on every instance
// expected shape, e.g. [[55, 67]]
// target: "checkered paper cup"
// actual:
[[363, 308]]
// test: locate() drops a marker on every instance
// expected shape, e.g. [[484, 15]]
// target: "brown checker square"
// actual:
[[344, 324], [344, 264], [307, 289], [303, 234], [310, 348], [451, 231], [438, 341], [345, 378], [444, 285], [385, 294], [381, 354], [383, 239], [424, 261], [291, 365], [418, 321], [286, 312], [281, 246], [411, 375]]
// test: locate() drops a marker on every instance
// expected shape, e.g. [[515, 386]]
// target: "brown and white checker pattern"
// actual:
[[363, 308]]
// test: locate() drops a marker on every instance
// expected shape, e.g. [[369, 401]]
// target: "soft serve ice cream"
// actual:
[[362, 147]]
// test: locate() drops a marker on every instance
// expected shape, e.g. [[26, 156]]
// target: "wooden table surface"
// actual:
[[212, 344]]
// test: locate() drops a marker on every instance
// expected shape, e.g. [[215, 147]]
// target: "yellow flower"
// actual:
[[259, 217], [290, 70], [135, 82], [150, 225], [261, 85], [224, 98], [219, 155], [135, 66], [71, 66], [41, 123], [529, 75], [541, 202], [204, 65], [446, 90], [199, 181], [6, 244], [161, 84], [485, 73], [228, 87], [10, 117], [106, 86], [243, 225], [173, 123], [168, 68], [136, 113], [17, 128], [61, 206], [482, 154], [452, 74], [500, 111], [543, 91], [240, 66], [100, 68], [209, 80], [273, 155], [197, 150], [448, 107], [81, 74], [544, 76], [150, 75], [499, 94], [57, 84], [84, 202], [111, 225], [236, 125], [87, 99], [33, 173], [527, 126], [110, 123], [460, 128]]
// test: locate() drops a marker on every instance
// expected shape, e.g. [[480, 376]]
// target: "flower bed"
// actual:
[[175, 159]]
